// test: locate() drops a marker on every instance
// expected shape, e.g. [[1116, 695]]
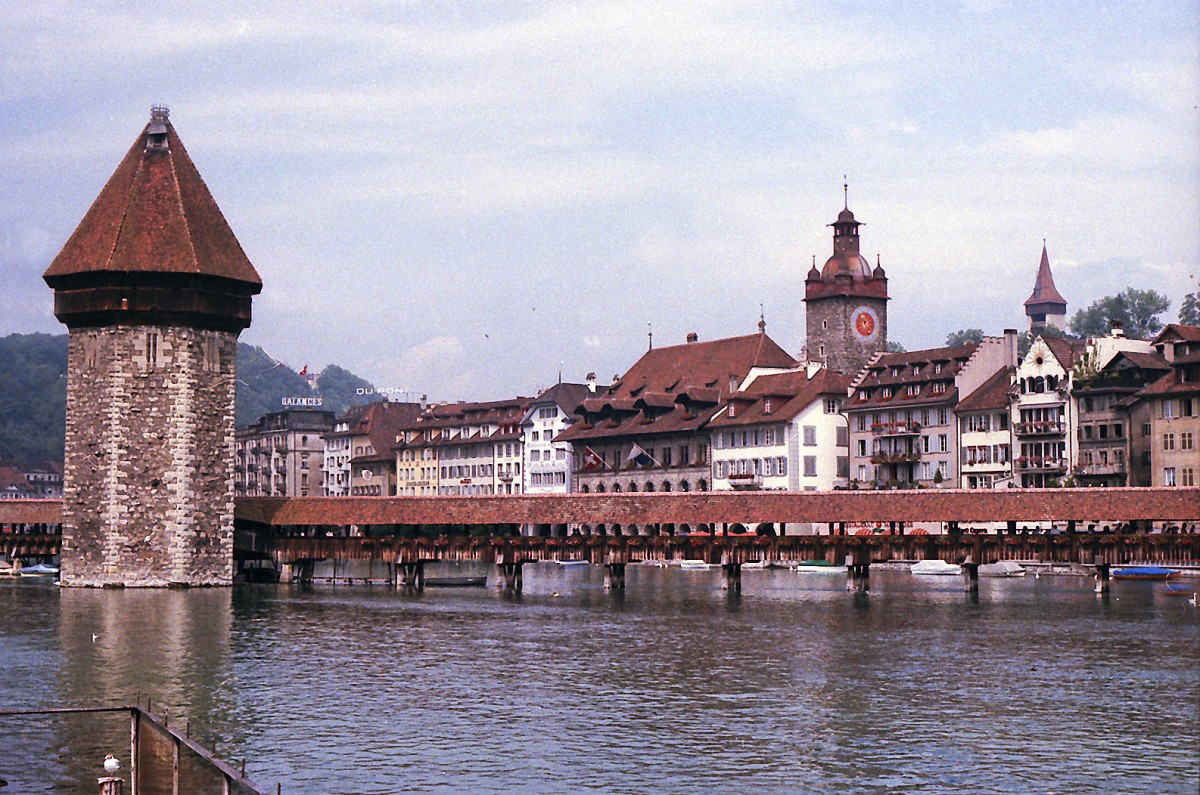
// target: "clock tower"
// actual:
[[845, 303]]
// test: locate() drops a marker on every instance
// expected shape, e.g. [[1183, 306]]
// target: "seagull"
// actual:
[[94, 636], [111, 764]]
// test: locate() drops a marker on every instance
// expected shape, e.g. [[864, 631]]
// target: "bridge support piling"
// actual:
[[614, 580], [1102, 579], [858, 572], [733, 577], [412, 576], [971, 575], [510, 575]]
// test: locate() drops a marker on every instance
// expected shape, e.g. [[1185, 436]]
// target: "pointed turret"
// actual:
[[1045, 306], [154, 247]]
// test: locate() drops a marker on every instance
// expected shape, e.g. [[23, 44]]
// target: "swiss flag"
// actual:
[[591, 460]]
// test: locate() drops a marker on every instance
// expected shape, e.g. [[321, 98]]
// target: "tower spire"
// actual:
[[845, 193]]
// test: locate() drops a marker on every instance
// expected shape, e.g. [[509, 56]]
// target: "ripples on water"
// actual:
[[673, 686]]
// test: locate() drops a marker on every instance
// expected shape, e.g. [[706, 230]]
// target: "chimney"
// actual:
[[693, 337], [591, 382], [1118, 328], [1010, 347]]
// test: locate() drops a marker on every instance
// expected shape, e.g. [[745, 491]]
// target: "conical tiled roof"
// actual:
[[155, 215], [1044, 291]]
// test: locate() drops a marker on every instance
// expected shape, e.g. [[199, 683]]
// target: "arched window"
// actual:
[[702, 485], [585, 489], [616, 488], [666, 485], [633, 487], [683, 485], [649, 486], [600, 489]]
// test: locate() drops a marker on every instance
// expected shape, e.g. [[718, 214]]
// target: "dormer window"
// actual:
[[937, 367], [766, 405], [732, 412]]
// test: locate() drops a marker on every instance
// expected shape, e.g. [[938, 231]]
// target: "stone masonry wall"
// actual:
[[148, 481], [844, 350]]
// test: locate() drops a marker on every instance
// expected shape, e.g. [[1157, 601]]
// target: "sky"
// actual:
[[465, 200]]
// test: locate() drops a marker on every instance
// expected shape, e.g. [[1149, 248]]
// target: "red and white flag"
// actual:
[[592, 460]]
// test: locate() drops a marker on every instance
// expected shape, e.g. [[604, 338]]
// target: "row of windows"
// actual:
[[986, 454], [1183, 407], [762, 467], [755, 437], [874, 419], [548, 479], [1185, 441], [701, 485], [982, 423], [539, 455], [1187, 477]]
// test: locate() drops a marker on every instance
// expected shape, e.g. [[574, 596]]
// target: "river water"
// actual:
[[675, 685]]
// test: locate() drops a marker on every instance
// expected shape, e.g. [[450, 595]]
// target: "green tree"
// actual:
[[1137, 311], [963, 336], [340, 389], [1189, 310], [895, 347]]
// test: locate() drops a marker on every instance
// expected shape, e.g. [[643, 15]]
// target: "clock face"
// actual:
[[865, 323]]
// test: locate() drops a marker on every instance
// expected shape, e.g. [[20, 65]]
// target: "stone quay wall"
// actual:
[[148, 479]]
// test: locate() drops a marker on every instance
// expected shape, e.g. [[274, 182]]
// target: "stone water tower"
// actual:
[[154, 289]]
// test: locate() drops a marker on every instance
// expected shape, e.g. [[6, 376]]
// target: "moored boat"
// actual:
[[939, 567], [39, 570], [573, 562], [819, 567], [694, 565], [456, 582], [1153, 573], [1002, 568]]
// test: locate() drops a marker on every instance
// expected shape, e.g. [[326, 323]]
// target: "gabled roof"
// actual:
[[992, 394], [675, 389], [789, 393], [1178, 331], [1139, 360], [1066, 351], [155, 215], [1044, 291], [700, 364]]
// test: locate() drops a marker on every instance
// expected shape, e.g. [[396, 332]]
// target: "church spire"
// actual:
[[1045, 305]]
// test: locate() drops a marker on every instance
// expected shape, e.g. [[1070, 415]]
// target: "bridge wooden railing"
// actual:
[[1174, 548]]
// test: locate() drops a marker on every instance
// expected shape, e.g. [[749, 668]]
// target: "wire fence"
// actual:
[[63, 750]]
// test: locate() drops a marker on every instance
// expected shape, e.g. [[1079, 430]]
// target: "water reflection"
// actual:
[[672, 685]]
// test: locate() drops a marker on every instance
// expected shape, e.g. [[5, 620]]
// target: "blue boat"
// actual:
[[40, 570], [1155, 573]]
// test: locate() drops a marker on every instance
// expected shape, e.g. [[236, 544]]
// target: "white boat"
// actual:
[[1003, 568], [935, 567], [818, 567], [39, 570], [694, 565], [573, 562], [754, 565]]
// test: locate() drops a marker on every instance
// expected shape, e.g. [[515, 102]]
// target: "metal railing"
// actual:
[[60, 750]]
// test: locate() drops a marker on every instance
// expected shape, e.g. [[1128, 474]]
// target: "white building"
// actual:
[[548, 463]]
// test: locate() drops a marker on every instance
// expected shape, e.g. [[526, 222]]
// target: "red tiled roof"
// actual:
[[700, 364], [992, 394], [675, 389], [1044, 291], [879, 374], [1065, 350], [1171, 384], [155, 215], [794, 391], [1180, 332]]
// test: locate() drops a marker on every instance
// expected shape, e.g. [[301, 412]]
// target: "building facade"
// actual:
[[548, 467], [984, 434], [648, 431], [1174, 409], [783, 431], [282, 454], [903, 431]]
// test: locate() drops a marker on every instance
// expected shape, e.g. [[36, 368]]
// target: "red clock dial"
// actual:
[[864, 324]]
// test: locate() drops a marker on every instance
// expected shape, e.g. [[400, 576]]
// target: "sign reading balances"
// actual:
[[866, 323], [302, 401]]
